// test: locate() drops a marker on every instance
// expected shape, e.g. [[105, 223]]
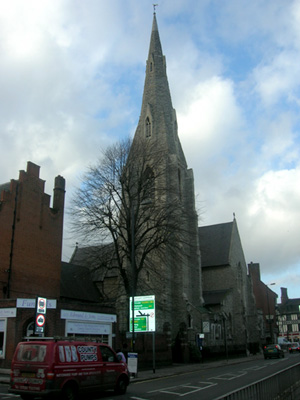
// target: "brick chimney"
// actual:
[[59, 193], [284, 295], [254, 271]]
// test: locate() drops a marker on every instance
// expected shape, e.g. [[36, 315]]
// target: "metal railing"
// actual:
[[283, 385]]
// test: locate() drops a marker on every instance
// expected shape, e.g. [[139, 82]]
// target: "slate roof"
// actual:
[[98, 259], [215, 242], [291, 305], [77, 284], [84, 255]]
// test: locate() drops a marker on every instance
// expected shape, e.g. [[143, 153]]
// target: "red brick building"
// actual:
[[27, 222], [266, 303], [30, 266]]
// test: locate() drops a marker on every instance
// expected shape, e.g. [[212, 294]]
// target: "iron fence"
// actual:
[[283, 385]]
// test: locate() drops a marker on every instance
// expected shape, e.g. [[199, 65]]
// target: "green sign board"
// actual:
[[140, 324], [144, 314]]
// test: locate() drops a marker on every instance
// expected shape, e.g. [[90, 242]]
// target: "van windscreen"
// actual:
[[33, 353]]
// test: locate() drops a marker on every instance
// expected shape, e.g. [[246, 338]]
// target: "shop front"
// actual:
[[18, 323]]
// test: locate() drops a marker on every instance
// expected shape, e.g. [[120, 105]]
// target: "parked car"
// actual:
[[273, 351], [294, 347], [66, 369]]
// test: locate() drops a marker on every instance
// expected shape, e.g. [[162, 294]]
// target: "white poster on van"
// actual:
[[87, 329]]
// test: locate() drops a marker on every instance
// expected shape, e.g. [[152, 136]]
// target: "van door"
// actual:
[[30, 367], [111, 368]]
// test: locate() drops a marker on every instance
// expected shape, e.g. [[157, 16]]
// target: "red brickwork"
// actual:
[[265, 298], [31, 236]]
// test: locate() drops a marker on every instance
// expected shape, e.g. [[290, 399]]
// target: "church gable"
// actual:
[[215, 242]]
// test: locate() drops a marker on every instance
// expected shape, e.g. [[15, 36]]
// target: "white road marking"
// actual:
[[138, 398], [184, 390], [229, 377], [256, 367]]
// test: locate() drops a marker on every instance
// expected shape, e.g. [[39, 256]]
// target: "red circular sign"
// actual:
[[40, 320], [42, 304]]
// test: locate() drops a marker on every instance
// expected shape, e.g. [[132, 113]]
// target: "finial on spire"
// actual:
[[154, 7]]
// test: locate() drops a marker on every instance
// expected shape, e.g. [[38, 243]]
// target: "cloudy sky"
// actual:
[[72, 75]]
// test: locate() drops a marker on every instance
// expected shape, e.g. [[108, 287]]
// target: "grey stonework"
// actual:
[[180, 296], [208, 294], [227, 287]]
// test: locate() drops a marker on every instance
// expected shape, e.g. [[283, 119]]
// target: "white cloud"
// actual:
[[210, 118], [71, 77], [279, 77]]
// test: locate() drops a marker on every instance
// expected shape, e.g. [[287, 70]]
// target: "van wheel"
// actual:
[[69, 393], [121, 386]]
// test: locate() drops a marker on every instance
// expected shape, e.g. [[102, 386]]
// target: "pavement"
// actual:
[[174, 369], [4, 375]]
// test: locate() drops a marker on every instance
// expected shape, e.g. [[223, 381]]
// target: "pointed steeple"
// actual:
[[158, 118], [172, 184], [155, 45]]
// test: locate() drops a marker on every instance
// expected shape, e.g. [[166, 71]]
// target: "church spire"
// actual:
[[171, 188], [155, 45], [158, 118]]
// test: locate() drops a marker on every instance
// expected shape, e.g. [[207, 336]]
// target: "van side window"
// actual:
[[68, 353], [61, 353], [107, 354], [74, 354]]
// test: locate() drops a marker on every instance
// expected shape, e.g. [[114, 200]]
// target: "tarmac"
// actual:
[[161, 372], [179, 369]]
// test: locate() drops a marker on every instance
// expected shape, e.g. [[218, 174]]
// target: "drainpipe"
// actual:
[[12, 243]]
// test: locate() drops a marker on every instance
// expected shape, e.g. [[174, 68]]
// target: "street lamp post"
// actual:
[[133, 273], [268, 305], [225, 334]]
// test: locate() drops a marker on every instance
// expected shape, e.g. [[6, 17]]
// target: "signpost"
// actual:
[[144, 314], [40, 315], [143, 319]]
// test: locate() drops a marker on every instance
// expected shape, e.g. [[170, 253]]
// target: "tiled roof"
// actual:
[[215, 241], [98, 259], [77, 284], [291, 305]]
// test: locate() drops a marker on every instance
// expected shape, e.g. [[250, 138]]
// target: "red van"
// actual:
[[65, 368]]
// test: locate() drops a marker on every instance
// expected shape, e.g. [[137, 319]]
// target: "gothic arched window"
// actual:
[[148, 185], [148, 127]]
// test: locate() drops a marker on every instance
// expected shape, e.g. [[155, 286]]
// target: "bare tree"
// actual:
[[129, 200]]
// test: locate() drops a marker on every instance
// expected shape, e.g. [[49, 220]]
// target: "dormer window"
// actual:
[[148, 128]]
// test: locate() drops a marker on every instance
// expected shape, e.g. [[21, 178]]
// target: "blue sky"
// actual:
[[72, 75]]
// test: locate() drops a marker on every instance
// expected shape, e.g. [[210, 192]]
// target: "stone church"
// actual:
[[187, 318], [158, 125]]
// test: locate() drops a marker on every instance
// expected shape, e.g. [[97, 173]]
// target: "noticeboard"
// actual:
[[132, 363], [144, 314]]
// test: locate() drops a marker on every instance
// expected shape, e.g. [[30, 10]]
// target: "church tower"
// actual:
[[180, 298]]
